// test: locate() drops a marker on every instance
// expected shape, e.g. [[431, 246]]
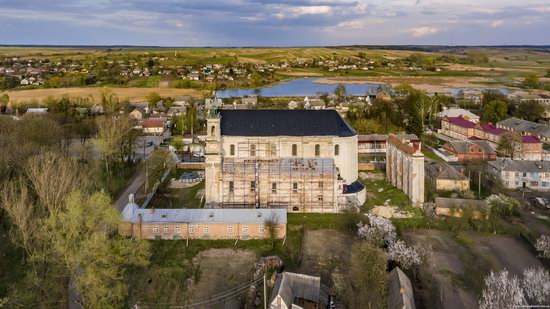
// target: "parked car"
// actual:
[[540, 202]]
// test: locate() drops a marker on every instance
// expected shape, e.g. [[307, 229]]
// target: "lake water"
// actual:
[[299, 88]]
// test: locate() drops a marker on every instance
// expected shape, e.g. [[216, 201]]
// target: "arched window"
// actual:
[[294, 150], [336, 150], [212, 129], [232, 150], [317, 150]]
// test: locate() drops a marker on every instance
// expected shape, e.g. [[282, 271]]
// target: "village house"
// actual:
[[292, 290], [37, 110], [176, 111], [201, 223], [531, 148], [153, 126], [489, 133], [524, 127], [305, 161], [376, 143], [514, 174], [458, 112], [470, 150], [293, 105], [137, 113], [455, 207], [457, 127], [445, 178]]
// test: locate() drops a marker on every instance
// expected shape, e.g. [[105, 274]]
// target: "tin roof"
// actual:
[[205, 215]]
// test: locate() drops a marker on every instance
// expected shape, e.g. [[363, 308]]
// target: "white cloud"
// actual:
[[497, 23], [422, 31]]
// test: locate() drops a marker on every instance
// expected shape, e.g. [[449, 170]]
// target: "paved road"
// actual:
[[135, 183]]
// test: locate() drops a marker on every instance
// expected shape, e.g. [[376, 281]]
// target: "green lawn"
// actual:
[[178, 198], [388, 192]]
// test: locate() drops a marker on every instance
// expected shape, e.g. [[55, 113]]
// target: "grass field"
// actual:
[[131, 94]]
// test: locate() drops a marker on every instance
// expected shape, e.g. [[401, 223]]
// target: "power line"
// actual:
[[217, 298]]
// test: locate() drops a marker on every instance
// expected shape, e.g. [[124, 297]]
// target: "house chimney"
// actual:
[[131, 198]]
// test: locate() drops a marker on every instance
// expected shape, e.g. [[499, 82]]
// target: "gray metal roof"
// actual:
[[526, 126], [521, 166], [400, 290], [456, 112], [129, 209], [206, 215], [290, 286], [439, 170], [445, 202], [464, 146]]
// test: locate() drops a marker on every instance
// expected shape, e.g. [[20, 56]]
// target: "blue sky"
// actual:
[[274, 23]]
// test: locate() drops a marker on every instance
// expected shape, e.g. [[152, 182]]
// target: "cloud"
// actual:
[[497, 23], [422, 31], [273, 22]]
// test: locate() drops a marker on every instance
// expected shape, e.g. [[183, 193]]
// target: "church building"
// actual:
[[300, 160]]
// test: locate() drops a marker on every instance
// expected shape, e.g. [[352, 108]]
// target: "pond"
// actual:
[[299, 88]]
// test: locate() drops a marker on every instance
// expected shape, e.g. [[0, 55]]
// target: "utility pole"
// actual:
[[479, 185], [146, 172]]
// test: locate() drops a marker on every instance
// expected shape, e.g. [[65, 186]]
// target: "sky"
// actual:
[[275, 23]]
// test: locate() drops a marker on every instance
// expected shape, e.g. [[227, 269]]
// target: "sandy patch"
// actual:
[[429, 84]]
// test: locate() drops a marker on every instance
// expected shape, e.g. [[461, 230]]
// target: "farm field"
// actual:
[[131, 94]]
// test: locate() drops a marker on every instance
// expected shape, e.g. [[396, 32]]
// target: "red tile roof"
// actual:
[[153, 123], [530, 139], [489, 128], [461, 122]]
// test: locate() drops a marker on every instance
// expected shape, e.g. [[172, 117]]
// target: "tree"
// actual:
[[543, 246], [531, 81], [536, 284], [340, 92], [52, 177], [495, 111], [272, 224], [110, 101], [502, 205], [153, 98], [510, 144], [501, 292], [177, 144], [407, 257], [379, 231], [157, 164], [530, 110], [116, 139], [80, 238], [367, 281]]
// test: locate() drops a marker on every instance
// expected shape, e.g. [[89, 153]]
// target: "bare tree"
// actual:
[[52, 177], [16, 201], [115, 138], [272, 225], [510, 144]]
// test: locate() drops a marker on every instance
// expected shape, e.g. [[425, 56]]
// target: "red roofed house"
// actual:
[[490, 133], [531, 148], [153, 126], [457, 127]]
